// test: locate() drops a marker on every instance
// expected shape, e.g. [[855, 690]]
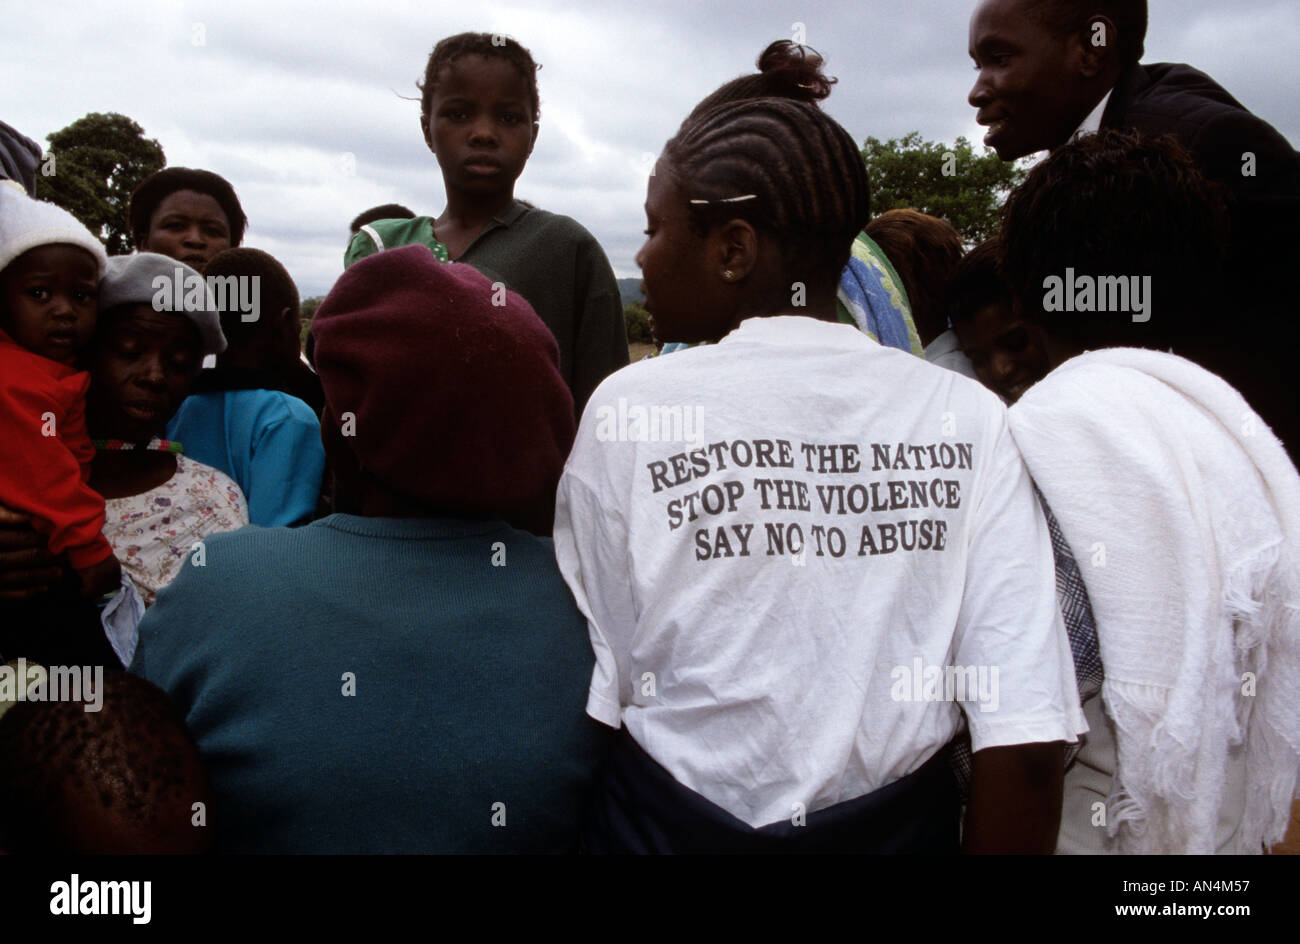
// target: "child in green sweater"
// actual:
[[479, 116]]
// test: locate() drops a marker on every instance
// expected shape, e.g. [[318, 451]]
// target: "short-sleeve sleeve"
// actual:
[[592, 552], [1010, 620]]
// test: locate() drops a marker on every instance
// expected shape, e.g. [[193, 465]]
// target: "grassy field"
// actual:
[[636, 351]]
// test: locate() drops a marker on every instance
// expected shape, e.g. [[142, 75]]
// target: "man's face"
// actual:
[[1009, 354], [1029, 90]]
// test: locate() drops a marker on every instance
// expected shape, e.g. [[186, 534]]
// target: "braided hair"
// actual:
[[478, 44], [783, 166]]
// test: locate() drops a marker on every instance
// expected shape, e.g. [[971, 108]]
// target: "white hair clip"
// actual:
[[748, 196]]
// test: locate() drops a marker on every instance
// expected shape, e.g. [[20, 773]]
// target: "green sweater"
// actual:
[[365, 685], [555, 264]]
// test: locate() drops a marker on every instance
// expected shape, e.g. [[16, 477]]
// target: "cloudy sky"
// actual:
[[304, 106]]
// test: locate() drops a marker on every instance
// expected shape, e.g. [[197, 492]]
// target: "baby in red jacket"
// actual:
[[50, 267]]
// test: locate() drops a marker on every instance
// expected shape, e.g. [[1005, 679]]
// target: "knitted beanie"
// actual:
[[165, 284], [443, 385], [26, 223]]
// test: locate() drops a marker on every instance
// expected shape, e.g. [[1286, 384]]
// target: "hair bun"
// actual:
[[794, 71]]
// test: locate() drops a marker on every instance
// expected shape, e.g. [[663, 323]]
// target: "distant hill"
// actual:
[[629, 290]]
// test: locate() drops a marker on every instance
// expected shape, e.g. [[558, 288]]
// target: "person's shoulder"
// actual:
[[273, 407], [378, 235], [1173, 95], [556, 226]]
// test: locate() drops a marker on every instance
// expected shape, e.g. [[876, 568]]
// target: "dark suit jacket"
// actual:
[[1258, 307]]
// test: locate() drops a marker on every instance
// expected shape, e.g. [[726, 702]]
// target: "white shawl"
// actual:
[[1183, 511]]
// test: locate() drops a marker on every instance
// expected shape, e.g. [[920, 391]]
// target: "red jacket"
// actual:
[[44, 465]]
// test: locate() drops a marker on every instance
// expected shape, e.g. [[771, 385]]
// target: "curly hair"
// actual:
[[1117, 203], [133, 760]]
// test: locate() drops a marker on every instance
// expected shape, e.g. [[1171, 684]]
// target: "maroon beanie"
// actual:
[[454, 400]]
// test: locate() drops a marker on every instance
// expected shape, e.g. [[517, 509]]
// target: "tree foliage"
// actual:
[[306, 311], [638, 323], [950, 182], [96, 162]]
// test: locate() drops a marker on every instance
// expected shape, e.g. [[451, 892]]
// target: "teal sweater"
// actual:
[[469, 685]]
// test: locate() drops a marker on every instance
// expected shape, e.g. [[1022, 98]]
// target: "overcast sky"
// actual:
[[300, 105]]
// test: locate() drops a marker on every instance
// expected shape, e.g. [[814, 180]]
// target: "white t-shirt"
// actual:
[[764, 634]]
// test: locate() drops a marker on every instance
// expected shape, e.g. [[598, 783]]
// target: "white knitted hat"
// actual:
[[26, 223]]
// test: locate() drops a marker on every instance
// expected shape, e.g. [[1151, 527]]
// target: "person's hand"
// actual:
[[27, 568], [99, 579]]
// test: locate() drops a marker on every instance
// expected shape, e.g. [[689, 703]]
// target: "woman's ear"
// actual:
[[735, 247], [424, 132], [537, 127]]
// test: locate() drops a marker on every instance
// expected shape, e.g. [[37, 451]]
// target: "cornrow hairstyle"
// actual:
[[448, 50], [1066, 17], [155, 188], [924, 251], [976, 283], [277, 291], [1117, 203], [387, 211], [783, 166], [132, 762], [785, 70]]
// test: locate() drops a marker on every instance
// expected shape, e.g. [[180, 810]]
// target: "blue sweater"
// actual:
[[267, 441], [365, 685]]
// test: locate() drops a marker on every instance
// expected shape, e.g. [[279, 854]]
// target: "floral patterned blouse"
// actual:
[[154, 533]]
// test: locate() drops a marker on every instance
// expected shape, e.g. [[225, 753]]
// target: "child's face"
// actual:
[[480, 125], [189, 226], [1009, 353], [142, 368], [680, 292], [48, 300]]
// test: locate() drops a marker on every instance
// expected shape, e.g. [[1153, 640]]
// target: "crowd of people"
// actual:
[[982, 549]]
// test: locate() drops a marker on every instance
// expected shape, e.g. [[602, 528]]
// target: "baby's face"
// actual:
[[48, 300]]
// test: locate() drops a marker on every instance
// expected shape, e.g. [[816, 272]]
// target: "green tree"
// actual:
[[950, 182], [96, 162], [638, 323], [306, 311]]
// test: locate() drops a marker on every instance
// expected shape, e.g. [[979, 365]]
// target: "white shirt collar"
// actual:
[[1092, 124]]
